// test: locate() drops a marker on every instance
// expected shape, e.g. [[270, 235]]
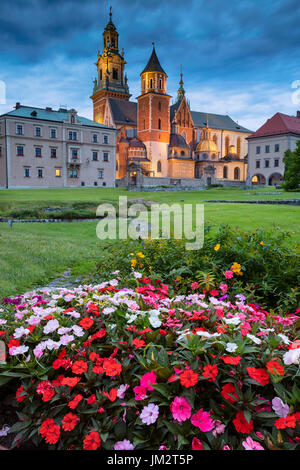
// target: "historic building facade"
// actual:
[[46, 148], [159, 142], [267, 147]]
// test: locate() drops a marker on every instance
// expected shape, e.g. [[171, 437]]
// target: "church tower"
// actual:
[[110, 81], [154, 115]]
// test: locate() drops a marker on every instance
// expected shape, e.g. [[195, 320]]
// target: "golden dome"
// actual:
[[207, 146]]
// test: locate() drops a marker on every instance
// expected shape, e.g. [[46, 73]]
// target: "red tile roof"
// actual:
[[278, 124]]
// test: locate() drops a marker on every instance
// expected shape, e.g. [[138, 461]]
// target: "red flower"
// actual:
[[112, 367], [94, 309], [13, 342], [275, 368], [98, 370], [92, 399], [46, 389], [138, 343], [288, 422], [241, 424], [210, 372], [227, 390], [92, 441], [53, 434], [18, 393], [79, 367], [73, 403], [259, 375], [234, 361], [69, 422], [46, 426], [197, 444], [70, 381], [188, 378], [112, 395], [86, 323]]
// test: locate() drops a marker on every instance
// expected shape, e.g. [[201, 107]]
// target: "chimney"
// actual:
[[17, 105], [298, 114]]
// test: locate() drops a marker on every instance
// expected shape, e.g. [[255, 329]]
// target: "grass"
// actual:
[[32, 254]]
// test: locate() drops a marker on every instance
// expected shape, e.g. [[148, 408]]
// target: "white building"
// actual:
[[45, 148], [266, 148]]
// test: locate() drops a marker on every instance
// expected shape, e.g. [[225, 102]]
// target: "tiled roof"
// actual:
[[176, 140], [49, 115], [124, 112], [278, 124], [153, 64], [174, 108], [217, 121]]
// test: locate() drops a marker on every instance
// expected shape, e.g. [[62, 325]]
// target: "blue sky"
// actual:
[[239, 57]]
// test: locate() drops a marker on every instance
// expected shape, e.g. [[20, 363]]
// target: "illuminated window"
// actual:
[[238, 146], [57, 172], [226, 145]]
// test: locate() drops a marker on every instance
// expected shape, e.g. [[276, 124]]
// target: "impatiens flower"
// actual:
[[92, 441], [86, 323], [51, 326], [15, 351], [228, 274], [292, 357], [259, 375], [288, 422], [231, 347], [275, 368], [202, 420], [234, 361], [254, 338], [140, 392], [188, 378], [123, 445], [112, 394], [111, 367], [241, 424], [219, 428], [69, 422], [79, 367], [91, 400], [20, 397], [73, 403], [250, 444], [148, 380], [280, 408], [210, 372], [226, 448], [149, 414], [196, 444], [180, 409], [229, 392], [122, 390], [138, 343]]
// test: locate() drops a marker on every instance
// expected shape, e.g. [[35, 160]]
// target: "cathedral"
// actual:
[[160, 143]]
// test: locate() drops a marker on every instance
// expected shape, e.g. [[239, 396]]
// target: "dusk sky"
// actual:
[[239, 57]]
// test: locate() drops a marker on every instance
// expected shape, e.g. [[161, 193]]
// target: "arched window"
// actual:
[[160, 84], [225, 172], [100, 76], [226, 145], [159, 124], [159, 166], [236, 173], [238, 147], [204, 156], [151, 83], [182, 153], [72, 119], [213, 155], [215, 139], [143, 85]]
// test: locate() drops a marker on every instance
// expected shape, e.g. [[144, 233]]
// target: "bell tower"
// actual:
[[110, 81], [154, 114]]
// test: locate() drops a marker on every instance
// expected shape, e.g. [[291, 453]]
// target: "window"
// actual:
[[115, 74], [40, 173], [160, 84], [38, 151], [276, 162], [100, 174], [258, 149], [53, 153], [26, 172], [74, 153], [159, 106], [225, 172], [267, 163], [38, 132], [226, 145], [151, 83], [159, 124], [0, 151], [105, 139], [236, 173], [105, 157], [257, 164], [57, 172], [238, 147], [72, 135], [19, 129], [72, 119], [53, 133], [159, 166], [100, 76], [95, 138], [73, 174], [20, 151], [182, 153], [95, 156], [276, 147], [144, 124], [267, 148]]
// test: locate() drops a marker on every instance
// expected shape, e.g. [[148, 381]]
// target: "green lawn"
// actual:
[[32, 254]]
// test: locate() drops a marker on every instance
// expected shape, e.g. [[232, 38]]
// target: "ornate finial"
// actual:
[[181, 91], [153, 44], [110, 13]]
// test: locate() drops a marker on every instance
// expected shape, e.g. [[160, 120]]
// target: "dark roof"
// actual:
[[50, 115], [124, 112], [278, 124], [217, 121], [174, 108], [135, 142], [176, 140], [153, 64]]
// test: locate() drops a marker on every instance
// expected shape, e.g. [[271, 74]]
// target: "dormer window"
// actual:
[[72, 119]]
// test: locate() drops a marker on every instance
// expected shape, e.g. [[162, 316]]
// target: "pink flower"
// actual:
[[123, 445], [122, 390], [162, 448], [223, 287], [180, 409], [140, 393], [202, 420], [228, 274], [194, 285], [149, 414], [250, 444], [226, 448], [196, 444], [148, 379], [219, 428]]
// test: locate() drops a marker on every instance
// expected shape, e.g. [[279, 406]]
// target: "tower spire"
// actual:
[[181, 90]]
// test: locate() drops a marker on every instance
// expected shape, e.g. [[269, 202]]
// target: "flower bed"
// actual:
[[105, 367]]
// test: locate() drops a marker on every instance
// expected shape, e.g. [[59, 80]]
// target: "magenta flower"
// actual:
[[149, 414], [250, 444], [148, 379], [140, 392], [228, 274], [123, 445], [202, 420], [180, 409]]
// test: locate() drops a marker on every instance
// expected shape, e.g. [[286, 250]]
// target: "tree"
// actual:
[[292, 169]]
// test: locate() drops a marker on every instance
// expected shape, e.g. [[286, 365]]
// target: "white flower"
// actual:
[[3, 322], [52, 344], [153, 318], [232, 321], [19, 332], [4, 431], [77, 330], [292, 357], [15, 351], [114, 282], [108, 310], [66, 339], [254, 339], [284, 338], [137, 275], [51, 326], [231, 347], [63, 330]]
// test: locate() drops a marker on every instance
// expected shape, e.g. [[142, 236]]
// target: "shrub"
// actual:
[[110, 368]]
